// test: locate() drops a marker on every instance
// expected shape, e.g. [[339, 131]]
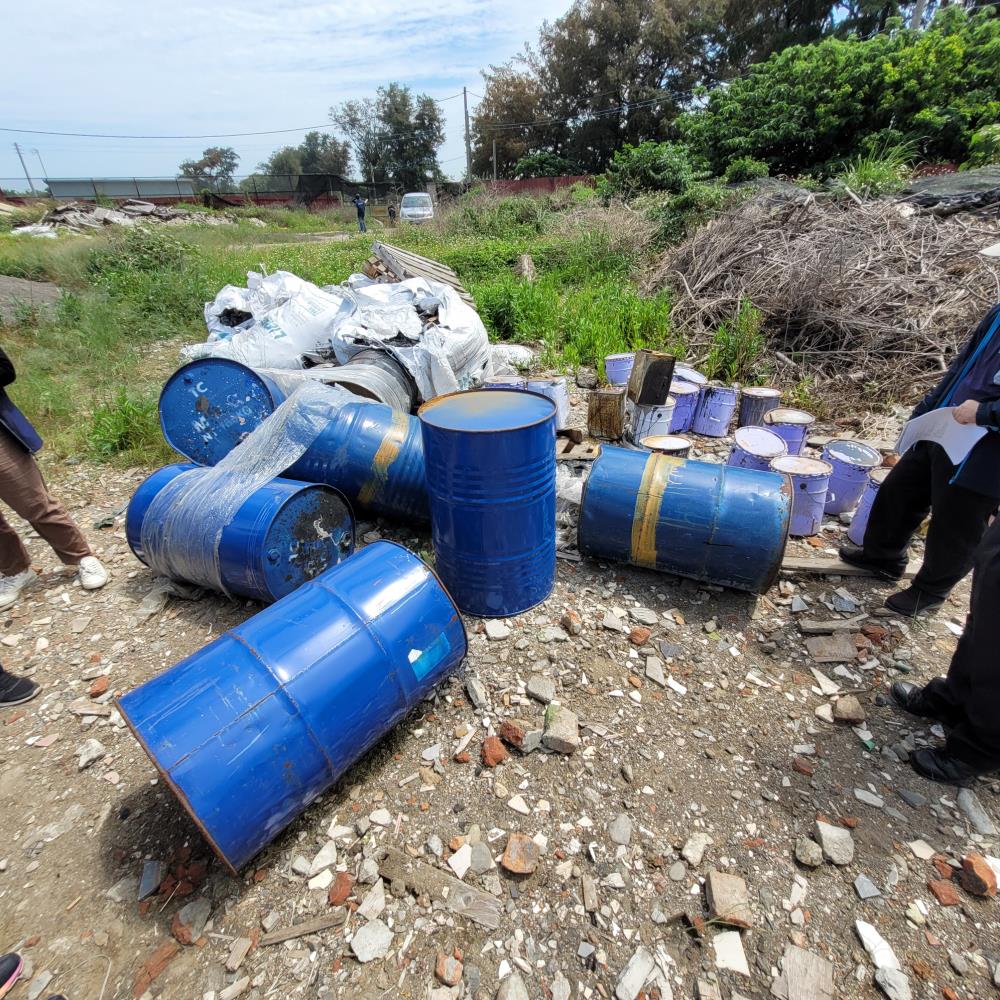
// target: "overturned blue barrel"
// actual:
[[714, 523], [372, 454], [252, 728], [281, 535], [491, 474]]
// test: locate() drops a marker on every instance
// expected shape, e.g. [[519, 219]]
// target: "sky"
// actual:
[[186, 68]]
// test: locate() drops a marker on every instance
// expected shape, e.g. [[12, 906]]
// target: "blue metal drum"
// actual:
[[282, 535], [714, 523], [491, 475], [252, 728], [372, 454]]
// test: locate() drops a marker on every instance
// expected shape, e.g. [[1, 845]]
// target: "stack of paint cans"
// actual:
[[491, 477]]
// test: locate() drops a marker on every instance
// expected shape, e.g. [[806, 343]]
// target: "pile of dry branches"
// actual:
[[867, 291]]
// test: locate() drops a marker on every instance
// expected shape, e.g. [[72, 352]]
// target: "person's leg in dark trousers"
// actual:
[[919, 483], [969, 697]]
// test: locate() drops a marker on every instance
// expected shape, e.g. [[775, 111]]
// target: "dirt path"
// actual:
[[733, 749]]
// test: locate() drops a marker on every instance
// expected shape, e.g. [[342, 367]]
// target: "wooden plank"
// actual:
[[334, 919], [825, 566], [404, 264]]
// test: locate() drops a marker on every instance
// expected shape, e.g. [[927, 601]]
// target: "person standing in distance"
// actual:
[[359, 203]]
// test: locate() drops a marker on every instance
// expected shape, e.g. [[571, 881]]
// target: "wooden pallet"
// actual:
[[570, 451], [402, 264]]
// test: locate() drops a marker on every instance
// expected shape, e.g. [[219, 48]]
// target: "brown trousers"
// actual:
[[23, 490]]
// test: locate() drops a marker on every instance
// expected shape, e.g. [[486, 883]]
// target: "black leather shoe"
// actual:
[[912, 602], [910, 698], [938, 765], [888, 569]]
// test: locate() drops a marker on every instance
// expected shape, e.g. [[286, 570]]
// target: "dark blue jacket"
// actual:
[[974, 374], [11, 418]]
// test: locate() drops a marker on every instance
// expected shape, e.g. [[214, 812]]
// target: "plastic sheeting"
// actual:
[[437, 337], [201, 502]]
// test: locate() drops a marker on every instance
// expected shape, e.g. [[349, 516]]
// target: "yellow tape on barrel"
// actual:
[[655, 479]]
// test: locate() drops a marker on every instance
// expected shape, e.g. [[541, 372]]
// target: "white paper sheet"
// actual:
[[941, 426]]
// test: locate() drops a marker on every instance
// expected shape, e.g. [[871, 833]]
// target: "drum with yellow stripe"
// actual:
[[713, 523]]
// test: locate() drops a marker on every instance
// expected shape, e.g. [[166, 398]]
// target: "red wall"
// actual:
[[540, 185]]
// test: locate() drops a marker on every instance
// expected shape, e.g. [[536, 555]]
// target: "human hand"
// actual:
[[966, 413]]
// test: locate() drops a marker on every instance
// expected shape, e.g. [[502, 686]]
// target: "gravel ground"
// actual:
[[704, 750]]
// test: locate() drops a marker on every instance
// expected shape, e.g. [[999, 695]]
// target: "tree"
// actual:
[[824, 103], [395, 136], [512, 93], [543, 164], [214, 170], [412, 133], [322, 153]]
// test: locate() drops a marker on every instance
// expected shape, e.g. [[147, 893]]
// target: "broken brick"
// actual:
[[153, 966], [494, 752], [99, 687], [944, 891], [448, 969], [521, 854], [977, 877], [639, 635], [803, 766], [342, 886]]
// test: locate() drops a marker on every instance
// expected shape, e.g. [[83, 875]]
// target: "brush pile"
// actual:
[[867, 298]]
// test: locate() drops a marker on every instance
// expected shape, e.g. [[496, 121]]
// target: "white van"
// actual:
[[416, 206]]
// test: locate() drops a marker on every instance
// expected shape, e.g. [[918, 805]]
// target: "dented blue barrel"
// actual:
[[252, 728], [283, 534], [372, 454], [713, 523], [491, 473]]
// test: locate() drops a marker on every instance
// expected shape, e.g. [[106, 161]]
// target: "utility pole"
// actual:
[[468, 140], [918, 15], [494, 161], [41, 162], [24, 167]]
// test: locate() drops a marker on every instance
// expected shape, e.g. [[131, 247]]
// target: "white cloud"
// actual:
[[192, 68]]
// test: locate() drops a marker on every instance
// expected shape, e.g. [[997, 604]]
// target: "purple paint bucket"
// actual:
[[686, 374], [506, 382], [618, 367], [645, 421], [856, 532], [755, 448], [685, 396], [810, 478], [668, 444], [852, 464], [792, 425], [755, 401], [715, 410]]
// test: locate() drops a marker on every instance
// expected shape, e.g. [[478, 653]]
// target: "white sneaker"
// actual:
[[92, 573], [11, 586]]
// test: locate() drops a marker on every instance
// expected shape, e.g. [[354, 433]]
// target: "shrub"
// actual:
[[544, 164], [745, 168], [736, 348], [125, 423], [650, 166], [984, 147], [816, 104], [140, 249], [677, 215], [878, 172]]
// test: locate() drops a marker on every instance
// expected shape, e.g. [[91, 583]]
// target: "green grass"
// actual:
[[883, 170], [90, 370]]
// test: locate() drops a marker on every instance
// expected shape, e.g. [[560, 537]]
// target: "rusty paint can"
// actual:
[[714, 523], [248, 731]]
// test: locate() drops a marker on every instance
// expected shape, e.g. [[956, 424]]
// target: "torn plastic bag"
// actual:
[[510, 359]]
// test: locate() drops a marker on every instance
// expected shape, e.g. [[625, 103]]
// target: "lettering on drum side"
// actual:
[[655, 477], [387, 453]]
